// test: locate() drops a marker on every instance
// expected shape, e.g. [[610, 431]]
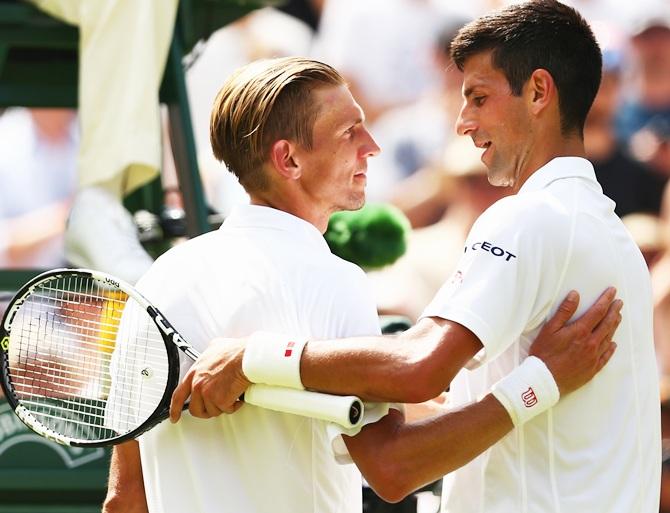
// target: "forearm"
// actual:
[[125, 492], [401, 458], [412, 367]]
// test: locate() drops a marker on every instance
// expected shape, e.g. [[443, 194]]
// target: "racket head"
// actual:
[[83, 361]]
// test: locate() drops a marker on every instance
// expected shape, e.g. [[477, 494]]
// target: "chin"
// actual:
[[501, 178], [355, 203]]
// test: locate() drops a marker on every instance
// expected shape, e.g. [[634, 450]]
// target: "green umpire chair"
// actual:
[[38, 68]]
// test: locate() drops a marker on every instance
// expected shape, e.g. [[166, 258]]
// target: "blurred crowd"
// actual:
[[395, 56]]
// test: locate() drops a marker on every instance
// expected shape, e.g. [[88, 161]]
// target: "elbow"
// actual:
[[424, 382], [131, 498], [113, 504], [433, 358], [388, 483]]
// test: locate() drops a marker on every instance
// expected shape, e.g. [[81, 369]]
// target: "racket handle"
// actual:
[[346, 411]]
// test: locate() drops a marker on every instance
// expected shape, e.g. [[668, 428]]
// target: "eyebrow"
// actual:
[[345, 126], [470, 90]]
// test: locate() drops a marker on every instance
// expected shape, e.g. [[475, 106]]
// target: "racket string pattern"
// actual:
[[85, 359]]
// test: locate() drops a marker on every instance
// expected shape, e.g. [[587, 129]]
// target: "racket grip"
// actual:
[[346, 411]]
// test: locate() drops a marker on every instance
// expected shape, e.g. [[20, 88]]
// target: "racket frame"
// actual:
[[171, 338]]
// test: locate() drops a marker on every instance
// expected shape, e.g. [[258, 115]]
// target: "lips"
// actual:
[[360, 176], [485, 145]]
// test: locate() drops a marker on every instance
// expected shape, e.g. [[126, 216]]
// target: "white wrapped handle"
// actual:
[[346, 411]]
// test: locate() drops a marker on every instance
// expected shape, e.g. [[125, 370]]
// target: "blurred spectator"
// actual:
[[648, 74], [620, 14], [37, 184], [307, 11], [651, 145], [382, 47], [413, 136], [123, 47], [647, 232], [432, 252], [645, 118], [632, 185]]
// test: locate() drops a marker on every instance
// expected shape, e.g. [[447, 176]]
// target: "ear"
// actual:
[[541, 90], [282, 157]]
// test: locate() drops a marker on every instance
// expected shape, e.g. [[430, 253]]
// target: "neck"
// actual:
[[571, 145], [285, 202]]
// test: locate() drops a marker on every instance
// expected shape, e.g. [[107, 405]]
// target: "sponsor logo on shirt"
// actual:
[[489, 247], [289, 349], [456, 279], [529, 398]]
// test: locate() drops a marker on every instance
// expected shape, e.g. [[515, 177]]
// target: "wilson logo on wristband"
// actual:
[[529, 398], [289, 349]]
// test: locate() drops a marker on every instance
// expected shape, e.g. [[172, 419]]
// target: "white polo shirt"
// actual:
[[266, 270], [598, 450]]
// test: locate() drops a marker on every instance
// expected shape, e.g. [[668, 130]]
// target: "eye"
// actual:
[[479, 100], [349, 132]]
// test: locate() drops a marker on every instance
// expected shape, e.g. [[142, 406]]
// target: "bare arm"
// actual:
[[412, 368], [398, 457], [125, 493], [423, 361], [415, 366]]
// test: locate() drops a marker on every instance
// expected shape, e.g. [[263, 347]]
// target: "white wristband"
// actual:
[[273, 359], [527, 391]]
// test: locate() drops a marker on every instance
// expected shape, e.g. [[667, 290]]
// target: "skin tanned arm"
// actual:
[[398, 458], [125, 493], [422, 362], [414, 367]]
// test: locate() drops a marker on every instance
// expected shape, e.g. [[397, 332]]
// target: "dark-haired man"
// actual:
[[531, 72]]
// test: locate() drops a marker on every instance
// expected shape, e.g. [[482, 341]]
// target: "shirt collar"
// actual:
[[256, 216], [557, 169]]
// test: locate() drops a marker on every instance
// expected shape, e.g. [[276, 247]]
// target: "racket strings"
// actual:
[[85, 359]]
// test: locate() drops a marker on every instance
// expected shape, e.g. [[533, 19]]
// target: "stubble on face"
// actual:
[[503, 125]]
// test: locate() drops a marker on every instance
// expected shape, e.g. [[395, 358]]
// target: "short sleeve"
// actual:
[[509, 274]]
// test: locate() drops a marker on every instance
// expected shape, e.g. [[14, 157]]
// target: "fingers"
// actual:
[[595, 314], [564, 313], [179, 397], [604, 332], [605, 357]]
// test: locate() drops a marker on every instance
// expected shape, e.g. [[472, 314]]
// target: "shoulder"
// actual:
[[178, 264], [537, 216]]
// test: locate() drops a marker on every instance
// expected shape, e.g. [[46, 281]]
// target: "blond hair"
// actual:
[[261, 103]]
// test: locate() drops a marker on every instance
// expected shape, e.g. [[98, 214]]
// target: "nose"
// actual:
[[465, 123], [369, 147]]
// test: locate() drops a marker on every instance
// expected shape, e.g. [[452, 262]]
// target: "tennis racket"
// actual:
[[87, 361]]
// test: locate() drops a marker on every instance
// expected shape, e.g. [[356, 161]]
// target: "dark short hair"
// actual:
[[538, 34]]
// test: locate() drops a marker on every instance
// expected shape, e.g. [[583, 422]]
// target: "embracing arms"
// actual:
[[413, 367], [398, 457]]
